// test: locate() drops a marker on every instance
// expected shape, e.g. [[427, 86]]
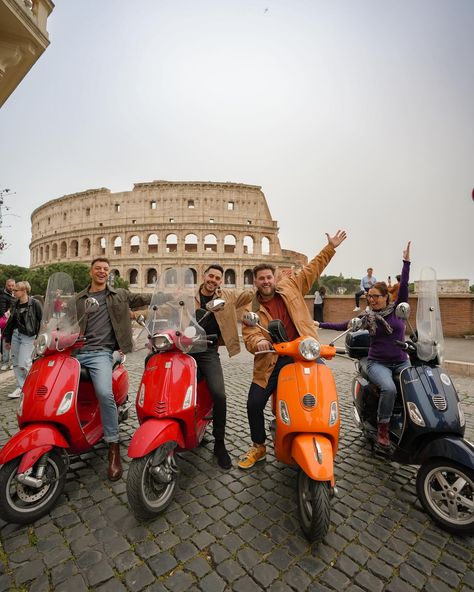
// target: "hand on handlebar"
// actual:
[[264, 345]]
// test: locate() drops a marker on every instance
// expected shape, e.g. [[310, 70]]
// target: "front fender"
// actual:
[[35, 439], [314, 454], [452, 447], [153, 433]]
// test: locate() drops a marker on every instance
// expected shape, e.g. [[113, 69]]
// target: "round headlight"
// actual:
[[161, 342], [310, 348], [42, 344]]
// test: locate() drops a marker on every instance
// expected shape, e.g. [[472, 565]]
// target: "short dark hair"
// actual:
[[399, 277], [215, 266], [103, 259], [261, 267]]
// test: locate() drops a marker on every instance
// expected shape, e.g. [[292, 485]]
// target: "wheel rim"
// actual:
[[305, 499], [24, 499], [450, 494], [155, 493]]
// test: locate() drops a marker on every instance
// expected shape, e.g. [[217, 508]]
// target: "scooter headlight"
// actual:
[[309, 348], [415, 415], [65, 403], [462, 418], [41, 344], [161, 342]]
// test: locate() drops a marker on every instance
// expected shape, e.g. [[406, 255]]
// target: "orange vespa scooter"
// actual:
[[305, 430]]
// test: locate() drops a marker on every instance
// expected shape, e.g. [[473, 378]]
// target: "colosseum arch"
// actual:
[[194, 272], [229, 278], [135, 244], [152, 243], [63, 250], [151, 277], [54, 251], [133, 276], [74, 248], [172, 243], [117, 241], [230, 243], [191, 243], [228, 219], [248, 245], [248, 278], [265, 245], [210, 243]]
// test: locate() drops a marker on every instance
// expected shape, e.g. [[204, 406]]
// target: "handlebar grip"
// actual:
[[341, 350], [401, 344], [212, 339]]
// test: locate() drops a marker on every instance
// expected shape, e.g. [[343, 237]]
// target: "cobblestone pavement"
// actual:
[[235, 530]]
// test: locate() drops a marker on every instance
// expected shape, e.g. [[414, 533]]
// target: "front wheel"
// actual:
[[23, 504], [151, 486], [314, 507], [446, 491]]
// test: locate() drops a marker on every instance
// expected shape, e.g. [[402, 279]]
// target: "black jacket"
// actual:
[[6, 302], [32, 320]]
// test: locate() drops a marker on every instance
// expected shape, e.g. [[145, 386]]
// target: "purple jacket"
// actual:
[[382, 345]]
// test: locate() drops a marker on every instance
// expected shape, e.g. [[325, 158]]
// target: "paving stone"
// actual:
[[138, 578], [212, 582], [335, 579], [29, 571], [198, 566], [162, 563], [98, 573], [74, 584]]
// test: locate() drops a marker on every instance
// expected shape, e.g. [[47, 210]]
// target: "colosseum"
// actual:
[[159, 225]]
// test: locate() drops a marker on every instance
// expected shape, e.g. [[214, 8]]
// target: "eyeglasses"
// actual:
[[375, 296], [18, 289]]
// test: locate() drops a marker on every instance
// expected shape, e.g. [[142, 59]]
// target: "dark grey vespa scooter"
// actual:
[[427, 426]]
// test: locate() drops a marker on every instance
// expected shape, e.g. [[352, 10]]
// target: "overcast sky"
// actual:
[[354, 114]]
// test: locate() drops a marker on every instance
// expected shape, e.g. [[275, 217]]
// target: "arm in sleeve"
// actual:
[[138, 300], [334, 326], [403, 285], [305, 279], [252, 335]]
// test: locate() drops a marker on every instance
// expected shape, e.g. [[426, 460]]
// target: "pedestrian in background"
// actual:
[[318, 307], [365, 284], [7, 298], [22, 328]]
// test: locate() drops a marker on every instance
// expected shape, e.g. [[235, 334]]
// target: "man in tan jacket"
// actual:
[[222, 323], [284, 301]]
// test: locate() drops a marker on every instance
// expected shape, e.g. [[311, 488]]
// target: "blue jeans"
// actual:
[[99, 363], [21, 350], [382, 376]]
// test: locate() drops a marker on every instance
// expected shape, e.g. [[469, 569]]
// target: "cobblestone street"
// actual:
[[236, 530]]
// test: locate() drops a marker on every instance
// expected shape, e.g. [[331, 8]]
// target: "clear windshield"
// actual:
[[172, 311], [428, 318], [59, 321]]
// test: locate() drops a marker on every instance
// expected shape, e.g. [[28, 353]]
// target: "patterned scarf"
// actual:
[[370, 318]]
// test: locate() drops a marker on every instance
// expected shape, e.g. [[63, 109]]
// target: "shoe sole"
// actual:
[[258, 460]]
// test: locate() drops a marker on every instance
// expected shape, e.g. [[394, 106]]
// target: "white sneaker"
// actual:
[[356, 309], [4, 367], [16, 394]]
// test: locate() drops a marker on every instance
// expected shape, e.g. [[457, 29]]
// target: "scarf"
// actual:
[[370, 318]]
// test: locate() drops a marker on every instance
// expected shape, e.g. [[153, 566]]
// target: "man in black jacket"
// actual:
[[7, 298]]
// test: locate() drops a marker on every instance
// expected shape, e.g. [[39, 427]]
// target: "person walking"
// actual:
[[21, 329], [7, 299]]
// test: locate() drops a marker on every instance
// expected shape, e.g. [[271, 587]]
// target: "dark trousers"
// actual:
[[358, 295], [257, 400], [209, 366], [318, 310]]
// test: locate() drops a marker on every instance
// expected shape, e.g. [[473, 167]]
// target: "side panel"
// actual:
[[456, 449], [295, 382], [151, 434], [29, 438]]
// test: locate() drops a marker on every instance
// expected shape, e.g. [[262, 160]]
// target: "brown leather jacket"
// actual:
[[227, 317], [292, 290]]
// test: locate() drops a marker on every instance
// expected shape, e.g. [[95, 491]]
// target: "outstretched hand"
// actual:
[[406, 252], [337, 239]]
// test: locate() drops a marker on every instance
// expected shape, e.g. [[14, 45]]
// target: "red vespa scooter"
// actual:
[[58, 412], [173, 405]]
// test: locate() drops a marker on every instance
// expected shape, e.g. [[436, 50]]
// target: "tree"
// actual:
[[38, 277]]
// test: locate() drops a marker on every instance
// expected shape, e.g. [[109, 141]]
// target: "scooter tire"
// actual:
[[450, 507], [314, 507], [146, 496], [20, 504]]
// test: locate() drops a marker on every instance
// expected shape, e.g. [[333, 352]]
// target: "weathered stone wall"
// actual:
[[161, 224]]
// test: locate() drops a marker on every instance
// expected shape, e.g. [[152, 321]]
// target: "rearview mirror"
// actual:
[[403, 311], [355, 324], [91, 305], [215, 305]]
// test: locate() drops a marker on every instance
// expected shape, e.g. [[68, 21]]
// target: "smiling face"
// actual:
[[265, 283], [212, 279], [376, 298], [99, 273]]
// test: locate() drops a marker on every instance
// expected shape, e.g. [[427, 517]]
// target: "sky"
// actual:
[[351, 114]]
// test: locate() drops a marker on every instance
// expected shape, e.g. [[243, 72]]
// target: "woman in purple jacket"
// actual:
[[385, 357]]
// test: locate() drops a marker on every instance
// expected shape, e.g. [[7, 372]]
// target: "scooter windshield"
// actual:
[[59, 326], [428, 318], [172, 311]]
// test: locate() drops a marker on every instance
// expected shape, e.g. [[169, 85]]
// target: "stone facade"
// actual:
[[159, 225]]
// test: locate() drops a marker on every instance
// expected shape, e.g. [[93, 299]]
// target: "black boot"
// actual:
[[223, 458]]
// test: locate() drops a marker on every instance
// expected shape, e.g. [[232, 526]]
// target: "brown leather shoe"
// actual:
[[115, 463]]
